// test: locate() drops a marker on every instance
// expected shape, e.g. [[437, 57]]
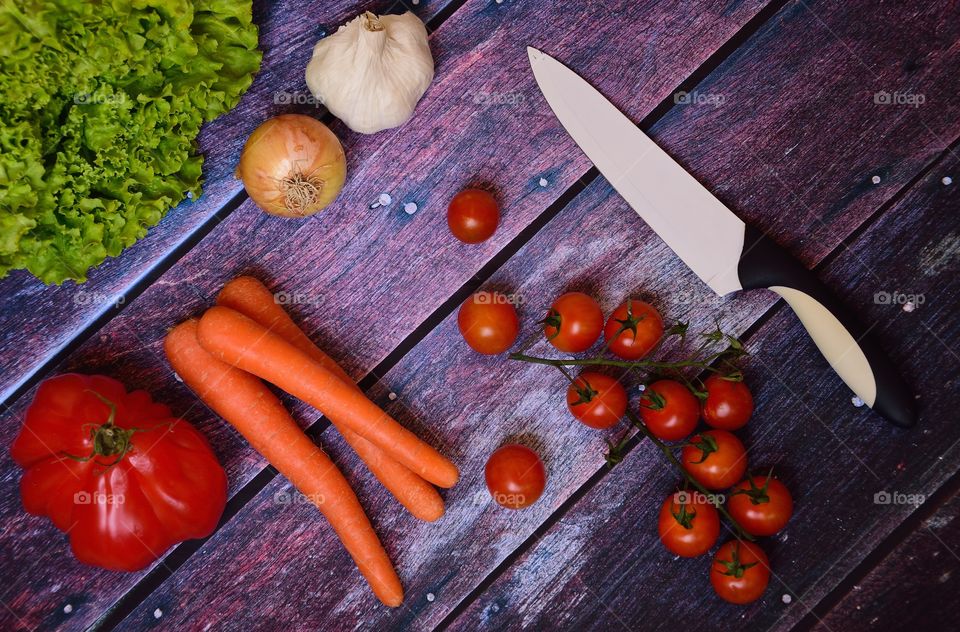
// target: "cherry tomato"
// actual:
[[116, 471], [669, 410], [740, 572], [633, 329], [573, 323], [715, 458], [597, 400], [761, 504], [689, 525], [729, 403], [488, 322], [515, 476], [473, 216]]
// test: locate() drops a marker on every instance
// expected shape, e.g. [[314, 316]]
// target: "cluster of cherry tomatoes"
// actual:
[[670, 409]]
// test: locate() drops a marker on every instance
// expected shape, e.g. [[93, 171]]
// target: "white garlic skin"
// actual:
[[372, 72]]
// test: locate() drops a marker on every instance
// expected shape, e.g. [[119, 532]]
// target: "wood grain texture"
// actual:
[[353, 265], [36, 320], [602, 566], [916, 585], [440, 567]]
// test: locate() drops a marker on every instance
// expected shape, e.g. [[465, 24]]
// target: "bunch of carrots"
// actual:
[[247, 337]]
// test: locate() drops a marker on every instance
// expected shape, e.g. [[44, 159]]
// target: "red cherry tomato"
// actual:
[[688, 525], [715, 458], [762, 505], [740, 572], [573, 323], [633, 330], [139, 480], [515, 476], [597, 400], [669, 410], [473, 216], [488, 322], [729, 403]]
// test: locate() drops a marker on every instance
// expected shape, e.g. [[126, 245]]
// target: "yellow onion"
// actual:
[[292, 166]]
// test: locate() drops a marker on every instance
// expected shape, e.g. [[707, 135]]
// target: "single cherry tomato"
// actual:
[[597, 400], [515, 476], [740, 572], [488, 322], [715, 458], [688, 525], [729, 403], [761, 504], [473, 216], [633, 329], [116, 471], [669, 410], [573, 323]]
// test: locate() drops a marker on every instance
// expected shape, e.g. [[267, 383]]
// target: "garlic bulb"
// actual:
[[372, 71]]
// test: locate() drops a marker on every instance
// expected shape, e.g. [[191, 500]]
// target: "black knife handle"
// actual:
[[842, 339]]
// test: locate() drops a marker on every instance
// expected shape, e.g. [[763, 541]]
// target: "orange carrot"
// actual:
[[251, 298], [247, 345], [247, 403]]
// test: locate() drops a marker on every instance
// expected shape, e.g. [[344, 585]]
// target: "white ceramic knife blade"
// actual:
[[691, 220]]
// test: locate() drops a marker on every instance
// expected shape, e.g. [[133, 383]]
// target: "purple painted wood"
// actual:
[[446, 561], [919, 578], [350, 258], [36, 321], [602, 563]]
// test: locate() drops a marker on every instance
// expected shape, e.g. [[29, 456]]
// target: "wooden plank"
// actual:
[[916, 584], [593, 244], [602, 563], [350, 258], [37, 321]]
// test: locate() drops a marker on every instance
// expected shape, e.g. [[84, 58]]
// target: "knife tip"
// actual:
[[534, 54]]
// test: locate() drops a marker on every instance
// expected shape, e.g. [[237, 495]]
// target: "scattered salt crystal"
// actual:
[[499, 1], [392, 396], [383, 199], [909, 306], [875, 179], [543, 182], [190, 195], [177, 377], [642, 387], [410, 208], [430, 597], [68, 608], [157, 613], [947, 180], [857, 402], [786, 598]]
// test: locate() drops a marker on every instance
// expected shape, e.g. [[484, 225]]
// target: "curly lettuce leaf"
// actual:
[[100, 107]]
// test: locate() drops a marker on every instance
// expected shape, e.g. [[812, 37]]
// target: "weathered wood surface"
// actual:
[[602, 565], [440, 565], [919, 581], [339, 264], [37, 321]]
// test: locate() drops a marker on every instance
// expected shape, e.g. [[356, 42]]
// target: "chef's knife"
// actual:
[[725, 253]]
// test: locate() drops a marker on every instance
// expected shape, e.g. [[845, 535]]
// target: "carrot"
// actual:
[[251, 408], [251, 298], [247, 345]]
